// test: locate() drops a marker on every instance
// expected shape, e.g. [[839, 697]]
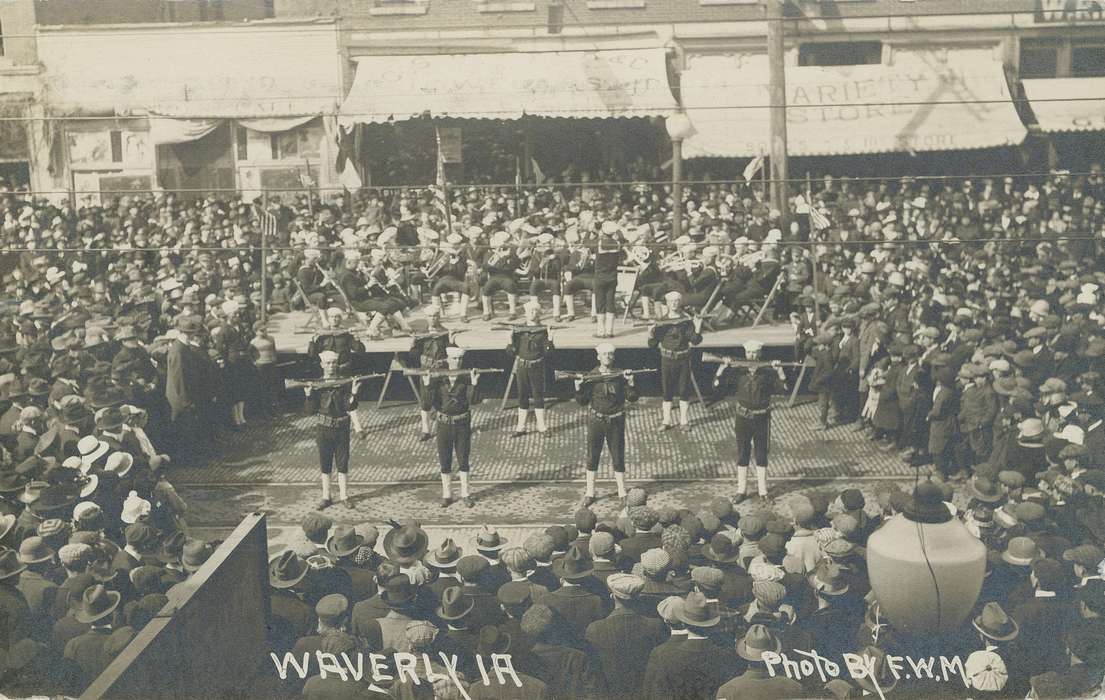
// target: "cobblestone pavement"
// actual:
[[272, 466]]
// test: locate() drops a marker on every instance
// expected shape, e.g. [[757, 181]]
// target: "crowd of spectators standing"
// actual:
[[958, 320]]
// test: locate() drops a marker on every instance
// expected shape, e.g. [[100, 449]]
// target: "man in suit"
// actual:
[[604, 556], [576, 606], [488, 544], [333, 617], [389, 631], [343, 545], [846, 373], [289, 617], [472, 570], [625, 638], [94, 650], [1050, 609], [643, 538], [15, 614], [756, 681], [568, 673], [943, 417], [460, 636], [695, 668], [189, 391], [36, 587], [495, 641], [909, 403]]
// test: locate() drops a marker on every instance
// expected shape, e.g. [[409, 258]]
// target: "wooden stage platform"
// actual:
[[292, 332]]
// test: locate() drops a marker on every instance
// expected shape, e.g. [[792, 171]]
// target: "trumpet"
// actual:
[[588, 377], [413, 372], [327, 383]]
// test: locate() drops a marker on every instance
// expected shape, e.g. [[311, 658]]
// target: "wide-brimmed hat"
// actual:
[[7, 522], [10, 564], [344, 541], [984, 490], [993, 623], [406, 544], [696, 612], [884, 680], [828, 579], [286, 570], [1020, 551], [757, 640], [91, 449], [489, 540], [96, 604], [445, 556], [721, 549], [10, 482], [398, 591], [110, 418], [573, 565], [32, 491], [34, 550], [194, 554], [454, 604]]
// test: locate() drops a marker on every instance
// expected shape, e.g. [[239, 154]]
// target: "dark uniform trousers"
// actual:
[[531, 383], [611, 431], [333, 446], [752, 436], [453, 437], [675, 377]]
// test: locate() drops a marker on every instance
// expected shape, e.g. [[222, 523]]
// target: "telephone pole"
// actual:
[[777, 88]]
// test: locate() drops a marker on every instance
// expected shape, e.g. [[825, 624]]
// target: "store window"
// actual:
[[1039, 59], [1087, 61], [840, 53]]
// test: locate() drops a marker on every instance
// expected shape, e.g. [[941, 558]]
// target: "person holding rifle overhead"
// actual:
[[674, 335], [608, 256], [452, 397], [331, 403], [606, 390], [753, 387], [428, 351], [529, 343]]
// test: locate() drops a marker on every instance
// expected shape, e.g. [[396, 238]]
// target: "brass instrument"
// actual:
[[435, 266], [327, 383], [588, 377], [496, 257], [413, 372]]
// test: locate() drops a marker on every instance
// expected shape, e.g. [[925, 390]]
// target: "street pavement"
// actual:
[[271, 466]]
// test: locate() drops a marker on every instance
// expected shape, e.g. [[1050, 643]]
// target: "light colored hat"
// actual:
[[328, 356], [604, 348], [673, 295], [91, 449], [985, 671], [532, 304], [1073, 434], [625, 586], [119, 463], [454, 352], [751, 346], [134, 508], [499, 239], [610, 227]]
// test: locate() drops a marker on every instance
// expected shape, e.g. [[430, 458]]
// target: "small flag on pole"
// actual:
[[753, 167]]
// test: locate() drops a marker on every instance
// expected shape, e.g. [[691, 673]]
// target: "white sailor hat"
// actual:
[[673, 295], [388, 235], [499, 239], [751, 346], [335, 312], [328, 356], [532, 304], [604, 348], [454, 352], [610, 227], [454, 239]]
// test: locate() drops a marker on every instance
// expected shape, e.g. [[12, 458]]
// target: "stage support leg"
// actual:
[[509, 383]]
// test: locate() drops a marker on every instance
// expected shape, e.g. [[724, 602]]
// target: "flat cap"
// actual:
[[707, 577], [537, 620], [471, 567], [332, 608], [601, 545], [752, 526], [1087, 555], [515, 593], [769, 593], [655, 561], [625, 586], [316, 526]]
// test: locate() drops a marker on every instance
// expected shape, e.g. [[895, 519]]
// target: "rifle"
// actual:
[[327, 383], [588, 377], [412, 372], [737, 362], [524, 328], [663, 322]]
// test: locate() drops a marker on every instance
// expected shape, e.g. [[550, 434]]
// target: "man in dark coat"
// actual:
[[568, 673], [189, 388], [757, 682], [289, 617], [575, 605], [625, 638], [472, 570], [1041, 617], [15, 614], [695, 668], [643, 538]]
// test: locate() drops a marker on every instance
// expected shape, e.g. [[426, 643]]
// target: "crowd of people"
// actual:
[[699, 602], [959, 321]]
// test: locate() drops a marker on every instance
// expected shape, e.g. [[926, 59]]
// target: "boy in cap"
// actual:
[[452, 397], [606, 392], [529, 343], [753, 389], [674, 335], [331, 404]]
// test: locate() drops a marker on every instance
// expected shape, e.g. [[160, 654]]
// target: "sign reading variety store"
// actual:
[[849, 109]]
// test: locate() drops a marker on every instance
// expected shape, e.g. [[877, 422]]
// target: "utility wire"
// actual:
[[568, 111]]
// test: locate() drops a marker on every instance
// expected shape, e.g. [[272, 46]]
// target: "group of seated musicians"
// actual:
[[379, 289]]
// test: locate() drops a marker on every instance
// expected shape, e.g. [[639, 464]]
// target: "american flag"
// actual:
[[267, 224], [440, 190], [818, 220]]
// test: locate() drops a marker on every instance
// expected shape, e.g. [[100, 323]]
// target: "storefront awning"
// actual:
[[234, 72], [1067, 104], [918, 105], [576, 84]]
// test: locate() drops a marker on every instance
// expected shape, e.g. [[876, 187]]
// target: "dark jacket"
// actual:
[[694, 669], [623, 640], [577, 607]]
